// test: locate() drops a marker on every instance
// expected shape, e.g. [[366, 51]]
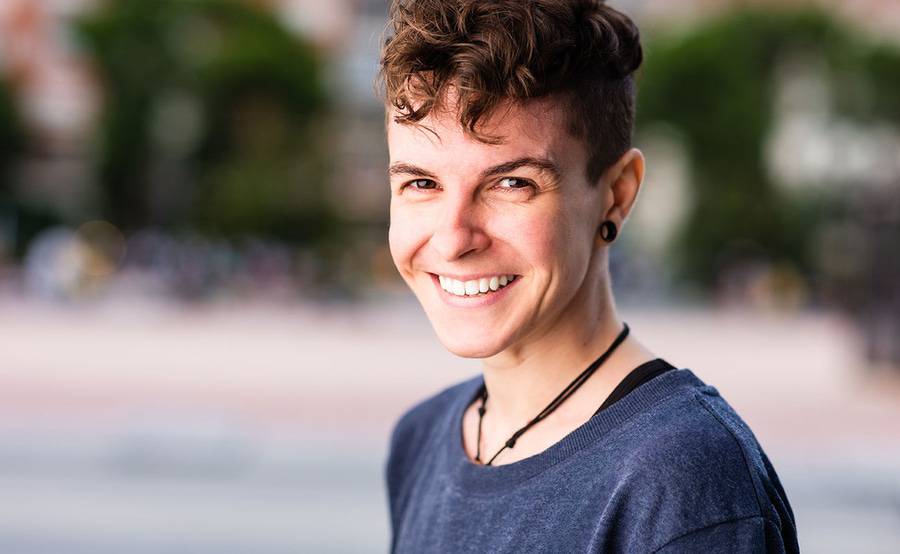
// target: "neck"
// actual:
[[523, 379]]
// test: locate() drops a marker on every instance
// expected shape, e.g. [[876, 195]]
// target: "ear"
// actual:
[[621, 183]]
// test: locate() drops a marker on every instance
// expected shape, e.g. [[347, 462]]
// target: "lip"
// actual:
[[472, 301], [471, 276]]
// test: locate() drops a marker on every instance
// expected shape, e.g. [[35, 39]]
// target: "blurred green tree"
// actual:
[[18, 222], [211, 120], [10, 144], [716, 85], [12, 136]]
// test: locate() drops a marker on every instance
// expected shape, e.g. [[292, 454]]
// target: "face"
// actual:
[[496, 241]]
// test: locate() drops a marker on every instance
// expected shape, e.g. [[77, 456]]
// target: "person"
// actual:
[[509, 127]]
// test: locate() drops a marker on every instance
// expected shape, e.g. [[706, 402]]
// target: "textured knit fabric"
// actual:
[[670, 467]]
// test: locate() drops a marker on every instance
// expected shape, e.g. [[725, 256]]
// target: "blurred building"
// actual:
[[57, 97], [56, 92]]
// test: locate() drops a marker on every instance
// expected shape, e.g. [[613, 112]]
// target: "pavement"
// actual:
[[141, 425]]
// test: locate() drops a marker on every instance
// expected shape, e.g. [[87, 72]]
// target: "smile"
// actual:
[[475, 287]]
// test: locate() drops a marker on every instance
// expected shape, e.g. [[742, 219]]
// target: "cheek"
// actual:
[[540, 242], [405, 236], [538, 237], [554, 243]]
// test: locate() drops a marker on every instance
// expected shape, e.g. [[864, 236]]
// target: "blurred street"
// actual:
[[140, 426]]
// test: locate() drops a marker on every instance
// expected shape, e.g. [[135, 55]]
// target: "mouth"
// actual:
[[475, 287], [483, 290]]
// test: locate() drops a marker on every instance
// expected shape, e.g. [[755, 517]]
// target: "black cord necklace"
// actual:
[[566, 393]]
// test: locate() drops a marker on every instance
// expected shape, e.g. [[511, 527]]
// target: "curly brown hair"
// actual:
[[491, 51]]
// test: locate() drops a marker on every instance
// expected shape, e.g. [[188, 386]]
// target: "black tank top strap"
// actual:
[[637, 377]]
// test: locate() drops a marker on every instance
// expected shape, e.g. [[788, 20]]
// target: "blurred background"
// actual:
[[199, 317]]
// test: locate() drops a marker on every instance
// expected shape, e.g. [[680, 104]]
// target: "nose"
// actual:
[[458, 230]]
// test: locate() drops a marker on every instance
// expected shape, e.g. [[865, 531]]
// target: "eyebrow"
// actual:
[[409, 169], [541, 164]]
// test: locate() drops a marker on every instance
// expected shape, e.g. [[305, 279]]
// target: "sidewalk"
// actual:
[[144, 413]]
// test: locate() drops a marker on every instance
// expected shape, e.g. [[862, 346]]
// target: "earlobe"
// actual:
[[607, 231], [626, 177]]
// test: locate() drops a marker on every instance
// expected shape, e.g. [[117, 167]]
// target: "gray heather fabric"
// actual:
[[668, 468]]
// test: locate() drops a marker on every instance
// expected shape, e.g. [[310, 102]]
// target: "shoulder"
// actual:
[[695, 463], [686, 447], [410, 437]]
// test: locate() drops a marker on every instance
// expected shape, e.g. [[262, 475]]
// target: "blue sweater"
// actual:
[[670, 467]]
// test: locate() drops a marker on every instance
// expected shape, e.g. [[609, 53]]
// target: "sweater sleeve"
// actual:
[[747, 535], [407, 442]]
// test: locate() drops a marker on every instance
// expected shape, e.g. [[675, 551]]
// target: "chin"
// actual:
[[468, 350], [471, 345]]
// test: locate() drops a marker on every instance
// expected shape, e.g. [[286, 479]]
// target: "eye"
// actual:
[[422, 184], [514, 183]]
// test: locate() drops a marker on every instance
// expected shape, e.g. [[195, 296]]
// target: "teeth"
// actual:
[[458, 288], [485, 285]]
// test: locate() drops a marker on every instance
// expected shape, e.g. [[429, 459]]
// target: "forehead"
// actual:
[[538, 128]]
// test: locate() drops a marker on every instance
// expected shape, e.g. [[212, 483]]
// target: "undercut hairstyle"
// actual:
[[492, 51]]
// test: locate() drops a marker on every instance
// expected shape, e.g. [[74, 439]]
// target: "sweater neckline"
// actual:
[[475, 478]]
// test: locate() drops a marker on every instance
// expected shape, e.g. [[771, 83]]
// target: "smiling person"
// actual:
[[509, 127]]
